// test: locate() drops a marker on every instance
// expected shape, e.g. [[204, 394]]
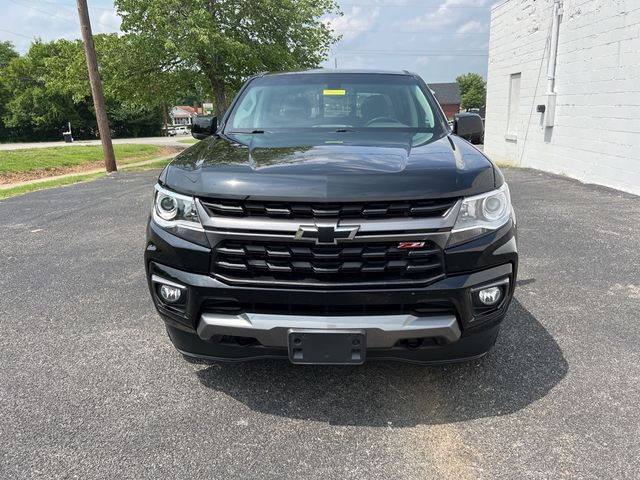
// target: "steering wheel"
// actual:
[[381, 119]]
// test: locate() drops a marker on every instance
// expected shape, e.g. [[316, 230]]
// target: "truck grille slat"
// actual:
[[397, 209], [280, 263]]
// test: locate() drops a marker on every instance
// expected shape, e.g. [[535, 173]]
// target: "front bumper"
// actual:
[[220, 321], [383, 331], [462, 335]]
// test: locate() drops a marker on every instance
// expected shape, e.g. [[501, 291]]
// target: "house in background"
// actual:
[[563, 89], [448, 95], [184, 114]]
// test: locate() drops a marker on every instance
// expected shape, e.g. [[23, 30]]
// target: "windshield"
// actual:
[[333, 101]]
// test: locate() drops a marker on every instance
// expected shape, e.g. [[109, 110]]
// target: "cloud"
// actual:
[[108, 21], [21, 22], [447, 13], [472, 26], [355, 23], [353, 62]]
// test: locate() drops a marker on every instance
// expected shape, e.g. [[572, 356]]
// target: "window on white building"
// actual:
[[514, 105]]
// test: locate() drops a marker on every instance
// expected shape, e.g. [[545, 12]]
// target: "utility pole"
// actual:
[[96, 86]]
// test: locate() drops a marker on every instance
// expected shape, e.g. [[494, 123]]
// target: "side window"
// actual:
[[514, 104], [425, 113], [244, 115]]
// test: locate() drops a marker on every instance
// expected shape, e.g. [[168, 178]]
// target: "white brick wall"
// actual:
[[596, 137]]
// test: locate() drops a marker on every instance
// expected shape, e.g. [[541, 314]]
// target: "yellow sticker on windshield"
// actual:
[[334, 92]]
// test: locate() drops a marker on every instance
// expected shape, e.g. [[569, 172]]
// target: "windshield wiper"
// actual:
[[249, 132]]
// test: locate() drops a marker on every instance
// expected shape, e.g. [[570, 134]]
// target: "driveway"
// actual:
[[90, 386]]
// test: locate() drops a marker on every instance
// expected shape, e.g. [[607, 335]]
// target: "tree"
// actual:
[[473, 89], [35, 107], [7, 53], [49, 86], [138, 80], [224, 41]]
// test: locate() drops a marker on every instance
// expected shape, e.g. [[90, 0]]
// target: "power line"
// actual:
[[55, 15], [423, 53], [14, 33], [379, 50], [403, 31], [71, 6], [404, 5]]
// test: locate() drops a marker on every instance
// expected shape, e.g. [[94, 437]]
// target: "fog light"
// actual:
[[490, 296], [170, 294]]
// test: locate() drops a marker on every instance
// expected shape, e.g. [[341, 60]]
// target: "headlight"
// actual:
[[178, 214], [481, 214]]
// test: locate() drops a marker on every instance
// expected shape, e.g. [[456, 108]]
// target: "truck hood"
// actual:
[[325, 167]]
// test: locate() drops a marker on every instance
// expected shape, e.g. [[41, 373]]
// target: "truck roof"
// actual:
[[326, 71]]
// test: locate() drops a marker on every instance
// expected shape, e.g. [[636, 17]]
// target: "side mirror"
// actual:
[[469, 126], [204, 127]]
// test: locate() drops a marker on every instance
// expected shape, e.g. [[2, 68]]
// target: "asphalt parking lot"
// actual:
[[90, 386]]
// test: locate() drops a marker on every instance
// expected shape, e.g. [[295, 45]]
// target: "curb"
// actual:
[[7, 186]]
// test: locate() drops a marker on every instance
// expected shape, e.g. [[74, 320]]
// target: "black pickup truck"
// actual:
[[331, 217]]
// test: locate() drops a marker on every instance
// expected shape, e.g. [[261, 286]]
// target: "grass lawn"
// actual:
[[42, 159], [189, 140], [59, 182], [12, 192], [149, 166]]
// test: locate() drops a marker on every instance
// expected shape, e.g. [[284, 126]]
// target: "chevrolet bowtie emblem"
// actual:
[[327, 233]]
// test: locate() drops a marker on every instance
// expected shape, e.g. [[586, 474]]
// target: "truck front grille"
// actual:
[[354, 264], [399, 209]]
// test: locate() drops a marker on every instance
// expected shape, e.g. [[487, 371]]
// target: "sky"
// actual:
[[438, 39]]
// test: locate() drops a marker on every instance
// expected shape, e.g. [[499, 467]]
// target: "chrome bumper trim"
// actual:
[[368, 227], [439, 238], [383, 331]]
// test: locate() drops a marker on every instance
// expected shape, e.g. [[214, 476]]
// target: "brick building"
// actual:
[[448, 95], [564, 95]]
